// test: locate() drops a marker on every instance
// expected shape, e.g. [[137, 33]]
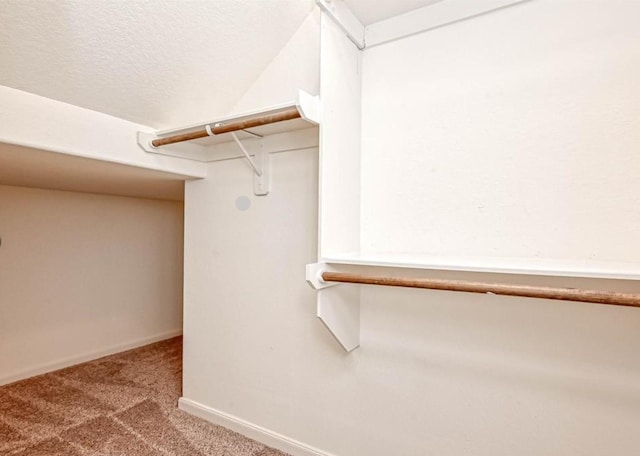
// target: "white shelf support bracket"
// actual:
[[308, 107], [246, 154], [314, 276], [338, 307], [261, 167], [262, 181]]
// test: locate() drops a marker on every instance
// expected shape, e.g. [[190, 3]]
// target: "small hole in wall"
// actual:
[[243, 203]]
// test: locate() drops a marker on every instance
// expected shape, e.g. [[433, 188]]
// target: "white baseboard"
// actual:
[[84, 357], [253, 431]]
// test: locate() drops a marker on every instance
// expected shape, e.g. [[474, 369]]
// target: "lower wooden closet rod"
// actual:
[[218, 129], [565, 294]]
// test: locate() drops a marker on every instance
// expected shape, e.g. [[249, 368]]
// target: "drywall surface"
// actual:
[[370, 12], [28, 167], [162, 63], [40, 123], [436, 372], [509, 135], [297, 66], [83, 275], [465, 374], [253, 347], [340, 107]]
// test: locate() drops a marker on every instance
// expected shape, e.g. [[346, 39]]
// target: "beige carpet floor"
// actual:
[[121, 405]]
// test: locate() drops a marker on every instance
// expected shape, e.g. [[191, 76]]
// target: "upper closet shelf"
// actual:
[[197, 142], [522, 266]]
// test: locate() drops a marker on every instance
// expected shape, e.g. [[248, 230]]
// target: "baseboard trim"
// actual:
[[83, 358], [253, 431]]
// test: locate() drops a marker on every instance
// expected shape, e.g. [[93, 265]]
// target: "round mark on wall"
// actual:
[[243, 203]]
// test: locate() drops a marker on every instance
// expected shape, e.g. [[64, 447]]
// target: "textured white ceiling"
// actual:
[[161, 63], [370, 11]]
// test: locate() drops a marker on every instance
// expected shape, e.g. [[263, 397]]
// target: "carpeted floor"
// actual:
[[122, 405]]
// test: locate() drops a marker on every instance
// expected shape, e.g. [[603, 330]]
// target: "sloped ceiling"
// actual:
[[371, 11], [162, 63]]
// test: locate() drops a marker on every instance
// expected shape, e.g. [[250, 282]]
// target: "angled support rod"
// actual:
[[564, 294], [221, 128], [246, 154]]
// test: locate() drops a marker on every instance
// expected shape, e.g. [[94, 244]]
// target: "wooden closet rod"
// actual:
[[218, 129], [565, 294]]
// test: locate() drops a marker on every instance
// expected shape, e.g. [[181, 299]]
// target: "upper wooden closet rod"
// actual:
[[220, 128], [565, 294]]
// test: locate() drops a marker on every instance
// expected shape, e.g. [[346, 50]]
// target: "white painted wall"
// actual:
[[252, 342], [509, 135], [295, 67], [464, 374], [437, 372], [369, 12], [83, 275], [340, 142]]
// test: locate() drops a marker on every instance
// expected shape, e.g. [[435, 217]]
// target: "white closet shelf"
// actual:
[[339, 307], [25, 166], [521, 266], [215, 146]]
